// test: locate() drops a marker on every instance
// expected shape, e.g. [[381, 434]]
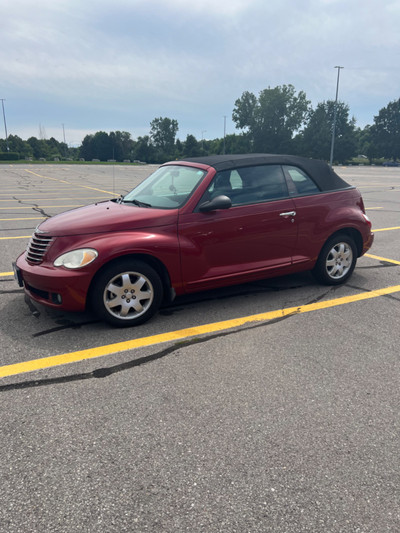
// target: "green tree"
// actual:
[[385, 132], [316, 138], [86, 148], [271, 119], [144, 150], [192, 147], [363, 140], [97, 146], [40, 148], [102, 146], [179, 148], [162, 133], [56, 149], [237, 144], [122, 145], [16, 144]]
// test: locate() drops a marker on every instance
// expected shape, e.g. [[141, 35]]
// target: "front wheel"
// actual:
[[127, 293], [336, 261]]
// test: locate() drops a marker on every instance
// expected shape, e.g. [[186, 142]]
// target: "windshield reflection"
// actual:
[[168, 187]]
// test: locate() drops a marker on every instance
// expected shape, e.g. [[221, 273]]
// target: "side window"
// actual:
[[303, 184], [221, 184], [236, 180], [260, 184], [248, 185]]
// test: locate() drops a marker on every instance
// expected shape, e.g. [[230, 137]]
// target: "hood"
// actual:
[[105, 217]]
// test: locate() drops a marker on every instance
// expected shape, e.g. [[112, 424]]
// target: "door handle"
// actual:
[[288, 214]]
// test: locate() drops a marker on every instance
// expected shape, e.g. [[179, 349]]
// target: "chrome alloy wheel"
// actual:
[[128, 295], [339, 260]]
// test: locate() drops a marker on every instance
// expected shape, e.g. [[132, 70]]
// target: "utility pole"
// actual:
[[334, 115], [5, 123], [224, 132]]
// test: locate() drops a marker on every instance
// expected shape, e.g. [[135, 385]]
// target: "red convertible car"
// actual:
[[197, 224]]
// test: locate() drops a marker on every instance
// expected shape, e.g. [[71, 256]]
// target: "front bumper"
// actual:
[[55, 287]]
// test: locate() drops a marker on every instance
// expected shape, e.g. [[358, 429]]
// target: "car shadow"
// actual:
[[75, 320]]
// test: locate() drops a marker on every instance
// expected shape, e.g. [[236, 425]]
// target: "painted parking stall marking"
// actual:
[[27, 218], [383, 259], [101, 351], [69, 183], [387, 229], [18, 237], [39, 207]]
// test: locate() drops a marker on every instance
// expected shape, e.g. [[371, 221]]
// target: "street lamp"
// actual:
[[224, 132], [5, 123], [334, 115]]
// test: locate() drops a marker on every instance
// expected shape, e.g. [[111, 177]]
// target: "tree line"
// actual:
[[278, 120]]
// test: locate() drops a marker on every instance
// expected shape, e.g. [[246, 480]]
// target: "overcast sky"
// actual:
[[118, 64]]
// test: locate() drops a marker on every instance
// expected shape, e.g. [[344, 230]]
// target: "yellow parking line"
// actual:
[[100, 351], [383, 259], [369, 208], [387, 229], [69, 183], [27, 218], [47, 191], [39, 207], [6, 273], [56, 199], [19, 237]]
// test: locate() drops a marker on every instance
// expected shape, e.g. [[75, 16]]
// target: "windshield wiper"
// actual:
[[136, 202]]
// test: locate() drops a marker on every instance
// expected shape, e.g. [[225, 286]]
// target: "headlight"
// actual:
[[76, 258]]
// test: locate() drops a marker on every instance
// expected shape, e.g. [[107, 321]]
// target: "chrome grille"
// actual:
[[37, 247]]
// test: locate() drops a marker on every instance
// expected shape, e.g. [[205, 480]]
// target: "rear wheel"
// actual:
[[336, 261], [127, 293]]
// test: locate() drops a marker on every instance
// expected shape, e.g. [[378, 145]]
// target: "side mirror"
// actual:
[[219, 202]]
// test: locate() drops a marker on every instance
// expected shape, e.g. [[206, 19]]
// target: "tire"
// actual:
[[336, 261], [127, 293]]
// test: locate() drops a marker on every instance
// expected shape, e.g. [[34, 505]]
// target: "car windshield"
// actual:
[[169, 187]]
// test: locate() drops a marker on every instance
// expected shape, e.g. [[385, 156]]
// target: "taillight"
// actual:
[[367, 220], [361, 205]]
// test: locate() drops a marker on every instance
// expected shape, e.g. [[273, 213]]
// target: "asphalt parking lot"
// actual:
[[267, 407]]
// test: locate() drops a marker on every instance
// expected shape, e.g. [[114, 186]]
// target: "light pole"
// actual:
[[334, 115], [5, 123], [224, 132]]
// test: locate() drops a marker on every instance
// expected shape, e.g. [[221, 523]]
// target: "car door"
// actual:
[[312, 214], [256, 235]]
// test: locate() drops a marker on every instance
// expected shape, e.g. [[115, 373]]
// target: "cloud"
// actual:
[[126, 62]]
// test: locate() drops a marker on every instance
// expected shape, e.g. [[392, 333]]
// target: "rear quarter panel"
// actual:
[[321, 215]]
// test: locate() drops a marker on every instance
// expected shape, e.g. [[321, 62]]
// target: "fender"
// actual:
[[160, 243]]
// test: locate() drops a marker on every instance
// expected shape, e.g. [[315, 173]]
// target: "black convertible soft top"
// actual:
[[323, 175]]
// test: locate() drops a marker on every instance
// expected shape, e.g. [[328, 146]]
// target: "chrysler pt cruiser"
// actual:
[[197, 224]]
